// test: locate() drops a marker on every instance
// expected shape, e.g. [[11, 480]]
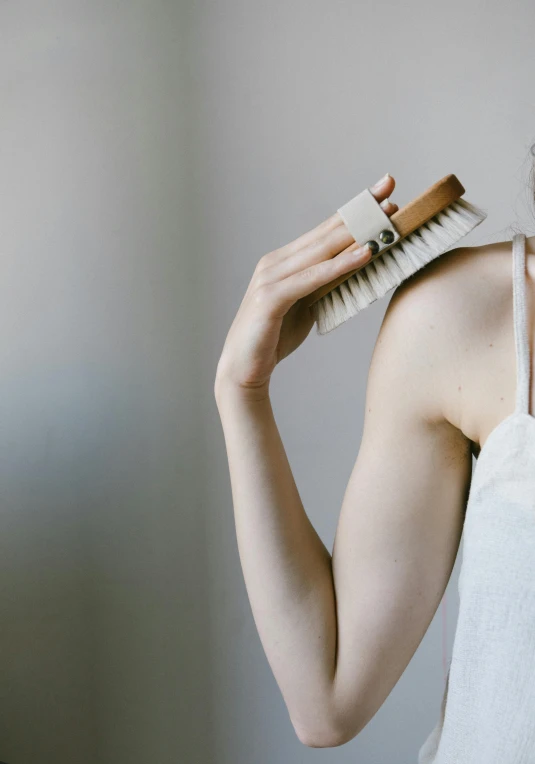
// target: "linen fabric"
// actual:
[[487, 715]]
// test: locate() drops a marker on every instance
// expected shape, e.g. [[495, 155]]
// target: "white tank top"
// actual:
[[487, 714]]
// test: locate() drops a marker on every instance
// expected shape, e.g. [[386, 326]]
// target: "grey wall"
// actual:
[[150, 153], [103, 606]]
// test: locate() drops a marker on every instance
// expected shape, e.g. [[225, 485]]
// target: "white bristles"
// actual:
[[407, 256]]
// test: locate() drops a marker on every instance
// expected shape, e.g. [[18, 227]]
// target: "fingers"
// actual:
[[338, 240], [335, 241], [314, 259], [380, 190], [278, 297], [389, 208], [383, 188]]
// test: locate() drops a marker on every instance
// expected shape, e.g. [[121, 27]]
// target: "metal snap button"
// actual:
[[386, 236], [374, 247]]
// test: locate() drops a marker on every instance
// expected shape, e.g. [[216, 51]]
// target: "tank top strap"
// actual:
[[520, 324]]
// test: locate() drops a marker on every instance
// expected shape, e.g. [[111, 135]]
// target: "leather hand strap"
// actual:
[[367, 221]]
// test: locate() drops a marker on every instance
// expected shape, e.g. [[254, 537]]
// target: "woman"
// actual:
[[339, 630]]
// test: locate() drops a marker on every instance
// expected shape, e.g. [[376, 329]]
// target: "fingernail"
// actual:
[[380, 182]]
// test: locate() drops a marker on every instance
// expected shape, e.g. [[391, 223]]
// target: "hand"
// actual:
[[272, 320]]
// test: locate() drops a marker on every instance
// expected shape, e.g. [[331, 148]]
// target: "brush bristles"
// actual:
[[407, 256]]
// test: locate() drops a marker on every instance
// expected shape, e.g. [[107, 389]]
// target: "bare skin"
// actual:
[[339, 628]]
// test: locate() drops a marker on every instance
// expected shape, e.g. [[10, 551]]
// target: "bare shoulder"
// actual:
[[456, 287], [450, 321]]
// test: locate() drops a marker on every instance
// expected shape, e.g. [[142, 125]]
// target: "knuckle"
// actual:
[[266, 261], [259, 278], [262, 295], [321, 272], [309, 274], [339, 264]]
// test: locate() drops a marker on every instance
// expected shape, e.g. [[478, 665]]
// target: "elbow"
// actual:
[[323, 738], [328, 727]]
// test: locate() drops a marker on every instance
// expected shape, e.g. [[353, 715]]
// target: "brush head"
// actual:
[[440, 234]]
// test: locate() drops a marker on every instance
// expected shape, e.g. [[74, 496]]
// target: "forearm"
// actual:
[[287, 568]]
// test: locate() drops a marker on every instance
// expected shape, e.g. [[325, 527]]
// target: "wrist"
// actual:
[[228, 392]]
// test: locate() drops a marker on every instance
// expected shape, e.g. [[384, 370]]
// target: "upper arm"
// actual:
[[402, 515]]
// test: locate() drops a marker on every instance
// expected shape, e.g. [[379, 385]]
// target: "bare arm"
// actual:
[[287, 568], [402, 514], [339, 631]]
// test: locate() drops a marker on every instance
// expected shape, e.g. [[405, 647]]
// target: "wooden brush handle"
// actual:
[[406, 220]]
